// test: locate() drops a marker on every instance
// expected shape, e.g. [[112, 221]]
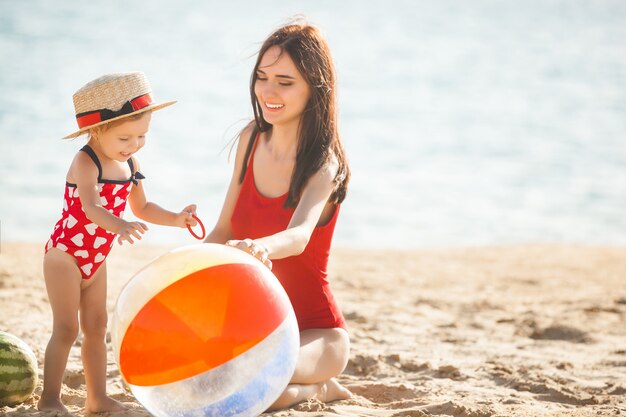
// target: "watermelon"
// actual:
[[18, 370]]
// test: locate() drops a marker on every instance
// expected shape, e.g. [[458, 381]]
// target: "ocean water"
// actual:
[[466, 123]]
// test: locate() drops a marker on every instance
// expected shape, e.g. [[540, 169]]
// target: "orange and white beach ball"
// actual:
[[205, 330]]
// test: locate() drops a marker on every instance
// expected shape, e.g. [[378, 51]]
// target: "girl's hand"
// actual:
[[184, 218], [130, 230], [255, 249]]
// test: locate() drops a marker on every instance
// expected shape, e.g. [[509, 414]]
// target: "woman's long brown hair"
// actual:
[[318, 135]]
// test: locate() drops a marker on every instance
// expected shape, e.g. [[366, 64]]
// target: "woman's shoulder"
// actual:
[[245, 136], [324, 177], [244, 140], [330, 169]]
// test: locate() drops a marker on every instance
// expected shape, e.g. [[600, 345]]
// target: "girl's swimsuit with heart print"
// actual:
[[75, 234]]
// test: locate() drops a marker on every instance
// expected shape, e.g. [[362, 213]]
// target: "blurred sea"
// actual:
[[466, 123]]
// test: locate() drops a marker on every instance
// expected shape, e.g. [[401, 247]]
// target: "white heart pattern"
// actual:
[[99, 258], [78, 239], [103, 201], [99, 242], [49, 245], [71, 221], [91, 228], [87, 269], [118, 201], [76, 192], [82, 254], [117, 188], [65, 205], [62, 247]]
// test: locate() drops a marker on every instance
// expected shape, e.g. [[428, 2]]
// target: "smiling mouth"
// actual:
[[274, 106]]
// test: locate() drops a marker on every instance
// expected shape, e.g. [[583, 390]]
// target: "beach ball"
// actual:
[[18, 370], [205, 330]]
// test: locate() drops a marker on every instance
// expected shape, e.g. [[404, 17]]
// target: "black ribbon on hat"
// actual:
[[106, 114]]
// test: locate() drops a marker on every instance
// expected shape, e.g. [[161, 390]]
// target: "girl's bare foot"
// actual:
[[51, 404], [332, 390], [100, 405]]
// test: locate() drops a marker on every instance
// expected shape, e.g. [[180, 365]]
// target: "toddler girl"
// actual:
[[115, 111]]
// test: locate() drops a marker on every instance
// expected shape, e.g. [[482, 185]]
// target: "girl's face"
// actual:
[[121, 141], [280, 89]]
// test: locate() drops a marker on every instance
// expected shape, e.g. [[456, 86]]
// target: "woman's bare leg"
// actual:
[[323, 355]]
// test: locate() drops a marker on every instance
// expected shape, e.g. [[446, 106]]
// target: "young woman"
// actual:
[[282, 204]]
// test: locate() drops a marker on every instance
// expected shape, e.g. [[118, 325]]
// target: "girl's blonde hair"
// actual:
[[97, 130]]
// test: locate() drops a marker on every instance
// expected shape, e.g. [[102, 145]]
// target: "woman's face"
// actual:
[[280, 89]]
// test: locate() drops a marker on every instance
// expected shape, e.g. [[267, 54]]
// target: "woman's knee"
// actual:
[[340, 345], [324, 354]]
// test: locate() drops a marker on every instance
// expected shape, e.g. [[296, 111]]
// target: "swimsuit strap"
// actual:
[[249, 150], [255, 138], [134, 176], [131, 165], [87, 149]]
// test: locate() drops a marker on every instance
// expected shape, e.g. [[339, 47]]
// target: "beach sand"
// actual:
[[535, 330]]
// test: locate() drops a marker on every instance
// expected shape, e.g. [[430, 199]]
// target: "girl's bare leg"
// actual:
[[93, 320], [323, 355], [63, 280]]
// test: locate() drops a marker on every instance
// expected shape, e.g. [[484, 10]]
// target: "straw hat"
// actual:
[[113, 97]]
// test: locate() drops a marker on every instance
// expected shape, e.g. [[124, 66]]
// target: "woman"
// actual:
[[290, 176]]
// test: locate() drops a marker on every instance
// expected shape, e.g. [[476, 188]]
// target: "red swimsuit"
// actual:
[[75, 234], [304, 277]]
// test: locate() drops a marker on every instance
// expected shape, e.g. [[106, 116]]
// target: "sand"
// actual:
[[535, 330]]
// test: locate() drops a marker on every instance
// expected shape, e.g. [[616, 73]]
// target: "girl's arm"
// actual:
[[85, 174], [222, 232], [293, 240], [152, 212]]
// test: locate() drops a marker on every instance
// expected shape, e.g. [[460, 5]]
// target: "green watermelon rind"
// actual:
[[18, 370]]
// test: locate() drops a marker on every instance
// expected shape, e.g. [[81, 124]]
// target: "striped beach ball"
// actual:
[[205, 330]]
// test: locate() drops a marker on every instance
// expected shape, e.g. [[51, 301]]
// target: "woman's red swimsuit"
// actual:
[[305, 276], [75, 234]]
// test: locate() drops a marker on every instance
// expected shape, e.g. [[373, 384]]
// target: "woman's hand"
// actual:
[[128, 230], [256, 249], [185, 217]]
